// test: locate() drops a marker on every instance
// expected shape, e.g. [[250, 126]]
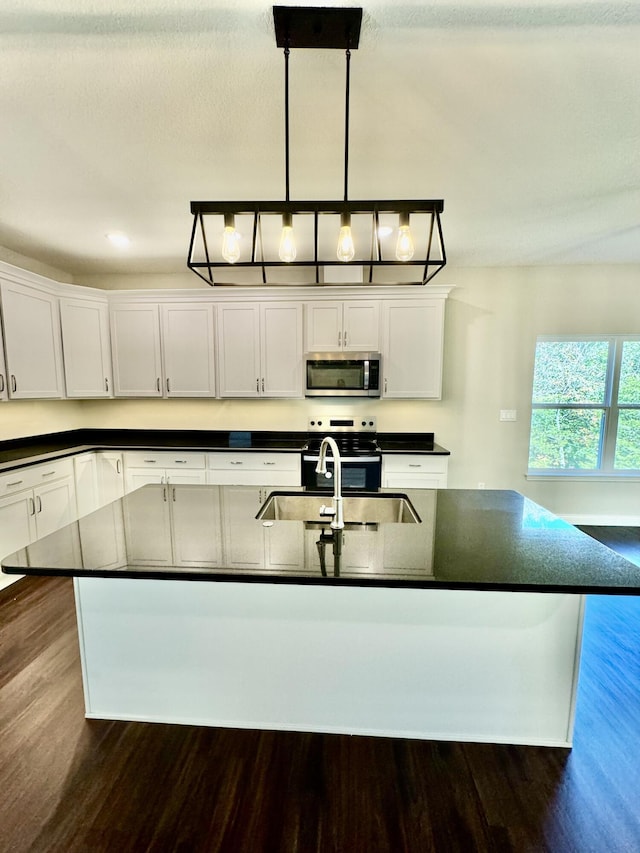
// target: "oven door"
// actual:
[[363, 474]]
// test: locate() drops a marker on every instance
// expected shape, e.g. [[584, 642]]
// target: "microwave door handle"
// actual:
[[366, 374]]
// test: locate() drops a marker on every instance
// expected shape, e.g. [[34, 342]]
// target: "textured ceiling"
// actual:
[[523, 117]]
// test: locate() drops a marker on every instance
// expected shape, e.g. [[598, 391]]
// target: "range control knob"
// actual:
[[313, 423]]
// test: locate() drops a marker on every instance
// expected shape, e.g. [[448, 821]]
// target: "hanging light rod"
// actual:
[[309, 238]]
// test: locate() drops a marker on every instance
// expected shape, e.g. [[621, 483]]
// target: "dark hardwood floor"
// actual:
[[71, 785]]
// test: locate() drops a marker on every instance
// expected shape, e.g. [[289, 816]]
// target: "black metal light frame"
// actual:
[[331, 28]]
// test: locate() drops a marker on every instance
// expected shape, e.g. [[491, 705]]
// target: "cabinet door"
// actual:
[[4, 394], [32, 341], [188, 348], [412, 349], [147, 524], [55, 505], [17, 523], [243, 534], [85, 467], [238, 326], [196, 526], [323, 326], [284, 547], [361, 331], [110, 476], [135, 478], [86, 347], [135, 340], [281, 349]]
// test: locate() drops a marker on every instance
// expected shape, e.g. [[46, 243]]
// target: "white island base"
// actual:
[[494, 667]]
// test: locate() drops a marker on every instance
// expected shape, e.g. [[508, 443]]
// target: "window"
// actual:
[[586, 406]]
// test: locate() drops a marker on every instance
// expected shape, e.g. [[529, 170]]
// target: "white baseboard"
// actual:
[[603, 520]]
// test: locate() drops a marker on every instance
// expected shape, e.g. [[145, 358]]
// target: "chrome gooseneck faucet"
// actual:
[[321, 468]]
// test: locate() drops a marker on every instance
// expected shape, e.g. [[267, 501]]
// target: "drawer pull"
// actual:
[[152, 461], [180, 461], [235, 463], [49, 473], [268, 463], [15, 483], [415, 465]]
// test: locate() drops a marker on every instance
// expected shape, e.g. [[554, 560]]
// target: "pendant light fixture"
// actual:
[[382, 242]]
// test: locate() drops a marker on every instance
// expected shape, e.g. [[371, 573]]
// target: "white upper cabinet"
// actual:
[[412, 341], [86, 347], [32, 342], [4, 394], [135, 343], [163, 350], [189, 349], [260, 349], [343, 326]]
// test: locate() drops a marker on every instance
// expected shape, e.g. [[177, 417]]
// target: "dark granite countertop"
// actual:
[[466, 539], [40, 448]]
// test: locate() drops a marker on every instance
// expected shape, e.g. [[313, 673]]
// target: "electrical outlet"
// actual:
[[508, 414], [481, 485]]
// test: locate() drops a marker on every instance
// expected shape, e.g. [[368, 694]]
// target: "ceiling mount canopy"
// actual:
[[317, 242]]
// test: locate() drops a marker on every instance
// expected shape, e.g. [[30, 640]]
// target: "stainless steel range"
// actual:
[[359, 452]]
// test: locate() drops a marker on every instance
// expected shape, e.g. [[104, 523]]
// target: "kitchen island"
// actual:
[[465, 625]]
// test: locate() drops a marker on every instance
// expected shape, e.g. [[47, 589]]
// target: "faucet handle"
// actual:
[[327, 511]]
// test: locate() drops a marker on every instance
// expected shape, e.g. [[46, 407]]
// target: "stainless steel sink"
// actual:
[[358, 510]]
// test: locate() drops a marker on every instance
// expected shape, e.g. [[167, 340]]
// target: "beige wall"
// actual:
[[493, 318]]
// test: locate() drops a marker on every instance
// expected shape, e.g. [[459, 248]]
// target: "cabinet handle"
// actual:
[[106, 384], [49, 473], [268, 463], [164, 495], [168, 388], [235, 463], [150, 460], [16, 483], [414, 465], [345, 338], [33, 507], [117, 466], [1, 383], [158, 384], [180, 461], [258, 384], [263, 384], [339, 338], [39, 503], [385, 386], [14, 384], [173, 493]]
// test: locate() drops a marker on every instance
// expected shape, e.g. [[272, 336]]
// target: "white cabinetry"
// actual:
[[260, 349], [85, 467], [175, 362], [35, 500], [347, 326], [143, 467], [414, 471], [110, 466], [173, 525], [4, 394], [86, 347], [252, 467], [32, 342], [412, 341]]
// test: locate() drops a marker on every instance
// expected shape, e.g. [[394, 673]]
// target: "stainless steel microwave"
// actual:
[[343, 374]]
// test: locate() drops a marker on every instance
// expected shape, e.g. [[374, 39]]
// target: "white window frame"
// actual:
[[610, 409]]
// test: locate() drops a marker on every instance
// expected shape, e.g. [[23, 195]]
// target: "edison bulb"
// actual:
[[346, 249], [230, 239], [404, 246], [287, 250]]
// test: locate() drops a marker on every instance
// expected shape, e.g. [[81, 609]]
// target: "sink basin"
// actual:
[[360, 509]]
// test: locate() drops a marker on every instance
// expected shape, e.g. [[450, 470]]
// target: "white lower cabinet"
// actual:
[[176, 467], [110, 466], [173, 525], [85, 467], [35, 500], [253, 468], [414, 471], [248, 543]]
